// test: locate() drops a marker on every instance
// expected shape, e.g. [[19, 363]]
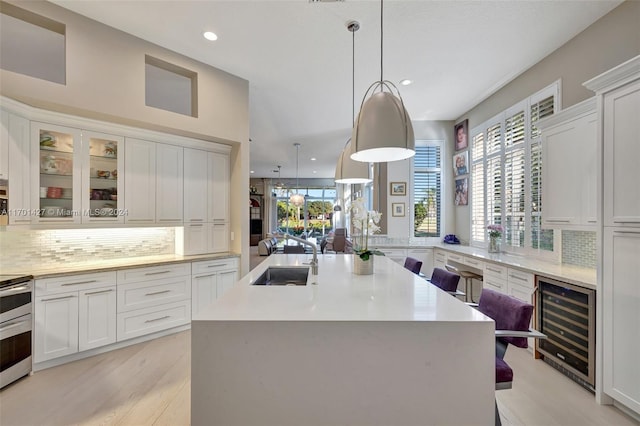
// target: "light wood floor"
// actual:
[[149, 384]]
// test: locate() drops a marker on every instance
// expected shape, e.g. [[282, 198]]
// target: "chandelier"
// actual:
[[297, 199]]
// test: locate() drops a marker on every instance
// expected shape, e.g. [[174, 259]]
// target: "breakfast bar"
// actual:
[[387, 348]]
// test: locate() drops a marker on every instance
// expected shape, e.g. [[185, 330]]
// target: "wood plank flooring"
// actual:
[[149, 384]]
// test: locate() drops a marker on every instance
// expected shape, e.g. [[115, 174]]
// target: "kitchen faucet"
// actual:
[[314, 260]]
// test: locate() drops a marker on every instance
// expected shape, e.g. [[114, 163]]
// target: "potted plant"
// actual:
[[366, 223]]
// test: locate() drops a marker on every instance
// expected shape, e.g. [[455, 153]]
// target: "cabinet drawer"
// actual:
[[153, 273], [473, 262], [521, 278], [455, 257], [520, 292], [440, 256], [149, 320], [214, 265], [153, 293], [75, 283], [494, 270], [495, 284]]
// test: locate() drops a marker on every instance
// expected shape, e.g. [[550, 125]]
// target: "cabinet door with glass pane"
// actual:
[[102, 197], [56, 168]]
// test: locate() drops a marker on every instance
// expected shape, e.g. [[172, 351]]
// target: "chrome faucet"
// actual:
[[314, 260]]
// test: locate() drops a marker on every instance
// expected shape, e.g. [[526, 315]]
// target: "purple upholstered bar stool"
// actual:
[[414, 265]]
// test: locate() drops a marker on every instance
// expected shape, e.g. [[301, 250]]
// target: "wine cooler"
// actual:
[[566, 314]]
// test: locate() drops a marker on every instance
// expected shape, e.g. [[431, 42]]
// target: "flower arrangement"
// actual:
[[495, 231], [366, 222]]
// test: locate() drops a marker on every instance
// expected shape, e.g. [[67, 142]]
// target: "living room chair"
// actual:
[[445, 280], [512, 317], [414, 265]]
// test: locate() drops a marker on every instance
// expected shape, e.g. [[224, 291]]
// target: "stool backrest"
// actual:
[[447, 281]]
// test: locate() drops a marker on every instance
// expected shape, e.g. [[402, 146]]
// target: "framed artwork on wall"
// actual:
[[460, 132], [460, 161], [462, 192], [398, 188], [397, 209]]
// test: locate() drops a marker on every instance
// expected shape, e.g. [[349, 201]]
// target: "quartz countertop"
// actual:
[[111, 264], [580, 276], [392, 293]]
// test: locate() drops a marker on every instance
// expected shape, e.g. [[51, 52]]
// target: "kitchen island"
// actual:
[[345, 349]]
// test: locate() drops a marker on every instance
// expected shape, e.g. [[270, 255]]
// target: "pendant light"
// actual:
[[383, 130], [279, 186], [349, 171], [297, 199]]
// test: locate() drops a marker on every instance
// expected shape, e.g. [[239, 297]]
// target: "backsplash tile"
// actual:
[[579, 248], [51, 247]]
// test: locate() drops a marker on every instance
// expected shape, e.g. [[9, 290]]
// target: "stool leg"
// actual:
[[471, 289]]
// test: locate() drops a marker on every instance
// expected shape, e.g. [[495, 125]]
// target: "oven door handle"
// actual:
[[16, 289], [13, 328]]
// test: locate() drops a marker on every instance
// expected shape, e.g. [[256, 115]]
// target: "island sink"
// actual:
[[283, 276]]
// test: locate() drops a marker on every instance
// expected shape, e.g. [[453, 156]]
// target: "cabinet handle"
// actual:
[[14, 325], [158, 292], [157, 273], [558, 220], [627, 232], [79, 282], [196, 220], [205, 276], [99, 292], [159, 319], [196, 224], [518, 278], [498, 271], [218, 265], [169, 220], [58, 298]]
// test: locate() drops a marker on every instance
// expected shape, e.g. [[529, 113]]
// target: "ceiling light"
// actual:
[[210, 35], [349, 171], [406, 82], [297, 199], [252, 171], [383, 130], [313, 158]]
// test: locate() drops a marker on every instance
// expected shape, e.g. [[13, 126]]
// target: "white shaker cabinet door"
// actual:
[[19, 170], [56, 326], [4, 145], [203, 291], [219, 187], [169, 184], [621, 315], [621, 154], [96, 318], [140, 181], [196, 194]]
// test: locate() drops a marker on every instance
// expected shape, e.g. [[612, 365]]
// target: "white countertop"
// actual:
[[392, 293], [585, 277], [103, 265]]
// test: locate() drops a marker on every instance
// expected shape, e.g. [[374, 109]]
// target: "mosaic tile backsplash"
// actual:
[[579, 248], [51, 247]]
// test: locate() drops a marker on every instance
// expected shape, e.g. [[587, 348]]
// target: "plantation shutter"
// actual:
[[477, 188], [494, 191], [514, 180]]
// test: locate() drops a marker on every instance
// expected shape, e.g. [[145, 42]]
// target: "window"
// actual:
[[506, 168], [427, 195]]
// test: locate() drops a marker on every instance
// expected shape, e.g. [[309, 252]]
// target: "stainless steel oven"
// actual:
[[16, 294]]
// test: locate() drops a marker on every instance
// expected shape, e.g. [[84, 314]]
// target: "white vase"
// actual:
[[362, 267]]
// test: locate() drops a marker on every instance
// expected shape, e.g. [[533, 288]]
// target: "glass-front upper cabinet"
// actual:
[[102, 196], [55, 174]]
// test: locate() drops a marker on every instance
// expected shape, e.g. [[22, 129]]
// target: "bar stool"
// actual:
[[468, 280]]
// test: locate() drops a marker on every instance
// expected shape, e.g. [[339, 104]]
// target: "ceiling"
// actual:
[[297, 57]]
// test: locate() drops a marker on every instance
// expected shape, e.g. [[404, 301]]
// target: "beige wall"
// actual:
[[608, 42], [106, 81]]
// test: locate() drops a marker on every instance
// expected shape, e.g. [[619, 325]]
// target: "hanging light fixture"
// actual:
[[279, 186], [383, 130], [349, 171], [297, 199]]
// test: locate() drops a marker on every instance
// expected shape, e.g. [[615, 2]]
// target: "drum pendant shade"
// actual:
[[349, 171]]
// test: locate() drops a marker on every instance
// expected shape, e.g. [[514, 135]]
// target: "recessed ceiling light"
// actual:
[[406, 82], [210, 35], [252, 171], [315, 171]]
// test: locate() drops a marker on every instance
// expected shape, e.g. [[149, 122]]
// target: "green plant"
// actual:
[[365, 221]]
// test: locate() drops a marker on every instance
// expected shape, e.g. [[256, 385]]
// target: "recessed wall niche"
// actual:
[[31, 44], [170, 87]]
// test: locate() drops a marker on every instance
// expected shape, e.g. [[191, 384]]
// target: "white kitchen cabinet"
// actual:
[[4, 144], [102, 178], [495, 277], [219, 177], [152, 299], [140, 181], [169, 184], [621, 319], [439, 259], [398, 255], [219, 237], [621, 154], [56, 326], [96, 318], [196, 186], [425, 255], [569, 175], [74, 313], [19, 171], [210, 280], [56, 167]]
